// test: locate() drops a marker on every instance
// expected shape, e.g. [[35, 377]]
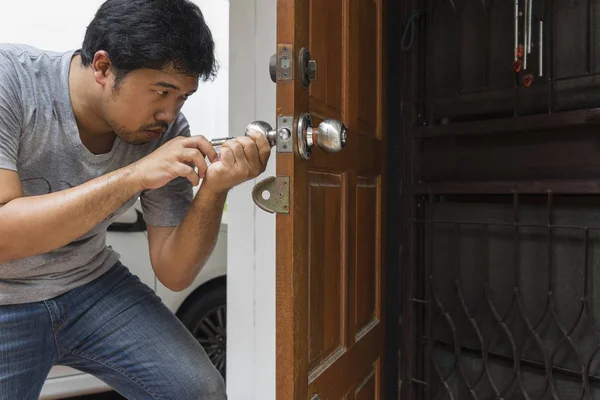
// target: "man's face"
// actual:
[[145, 102]]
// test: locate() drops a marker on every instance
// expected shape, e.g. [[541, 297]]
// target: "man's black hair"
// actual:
[[153, 34]]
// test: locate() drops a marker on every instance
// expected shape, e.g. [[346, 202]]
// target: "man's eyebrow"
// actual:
[[171, 86], [166, 85]]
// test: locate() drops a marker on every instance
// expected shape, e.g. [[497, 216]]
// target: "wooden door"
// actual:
[[330, 267]]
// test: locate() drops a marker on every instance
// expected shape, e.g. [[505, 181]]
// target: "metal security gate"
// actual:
[[502, 58], [508, 297], [500, 263]]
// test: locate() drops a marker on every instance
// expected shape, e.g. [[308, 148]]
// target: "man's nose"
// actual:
[[167, 115]]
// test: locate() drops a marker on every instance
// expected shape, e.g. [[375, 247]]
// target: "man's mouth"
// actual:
[[154, 134]]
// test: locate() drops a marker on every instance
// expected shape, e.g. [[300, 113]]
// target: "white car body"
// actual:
[[133, 247]]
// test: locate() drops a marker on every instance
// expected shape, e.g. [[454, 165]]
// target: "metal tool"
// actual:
[[259, 126], [329, 136], [526, 38], [541, 49], [516, 30], [529, 23]]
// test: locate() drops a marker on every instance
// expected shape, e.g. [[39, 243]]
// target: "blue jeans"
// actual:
[[114, 328]]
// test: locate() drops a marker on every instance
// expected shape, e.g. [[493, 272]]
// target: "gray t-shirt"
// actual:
[[39, 139]]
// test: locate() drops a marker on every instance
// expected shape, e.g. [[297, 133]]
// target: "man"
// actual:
[[83, 134]]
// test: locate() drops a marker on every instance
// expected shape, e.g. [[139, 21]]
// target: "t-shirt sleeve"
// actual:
[[167, 205], [11, 114]]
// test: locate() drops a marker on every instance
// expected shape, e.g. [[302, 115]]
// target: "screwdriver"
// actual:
[[220, 141], [259, 126], [330, 136]]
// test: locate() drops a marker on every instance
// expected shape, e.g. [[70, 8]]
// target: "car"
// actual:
[[201, 307]]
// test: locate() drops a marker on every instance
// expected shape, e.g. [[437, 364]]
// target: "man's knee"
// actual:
[[206, 383], [214, 390]]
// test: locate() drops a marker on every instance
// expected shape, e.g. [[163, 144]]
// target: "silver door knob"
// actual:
[[329, 136], [264, 128]]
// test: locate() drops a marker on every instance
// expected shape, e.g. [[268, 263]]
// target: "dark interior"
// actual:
[[494, 208]]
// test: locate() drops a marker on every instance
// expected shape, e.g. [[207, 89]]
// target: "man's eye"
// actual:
[[162, 92]]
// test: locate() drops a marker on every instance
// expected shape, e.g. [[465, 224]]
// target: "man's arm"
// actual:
[[38, 224], [178, 254]]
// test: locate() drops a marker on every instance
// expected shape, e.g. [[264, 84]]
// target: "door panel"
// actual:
[[366, 390], [330, 321], [326, 21], [326, 295], [368, 266], [365, 70]]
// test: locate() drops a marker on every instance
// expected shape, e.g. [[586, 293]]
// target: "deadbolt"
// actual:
[[281, 64], [329, 136], [311, 71], [308, 67]]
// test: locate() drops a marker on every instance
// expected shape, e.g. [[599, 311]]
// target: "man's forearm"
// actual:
[[39, 224], [190, 245]]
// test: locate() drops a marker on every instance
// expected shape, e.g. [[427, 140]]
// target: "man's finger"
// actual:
[[188, 172], [264, 148], [201, 143], [197, 158], [251, 152], [226, 157], [238, 153]]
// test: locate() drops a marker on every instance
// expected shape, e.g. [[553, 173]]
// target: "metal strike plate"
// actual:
[[284, 134], [316, 397], [276, 189], [285, 62]]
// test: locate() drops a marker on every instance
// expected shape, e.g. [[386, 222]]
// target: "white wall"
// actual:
[[207, 110], [251, 232]]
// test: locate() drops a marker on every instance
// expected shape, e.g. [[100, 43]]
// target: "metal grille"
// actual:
[[468, 48], [507, 297]]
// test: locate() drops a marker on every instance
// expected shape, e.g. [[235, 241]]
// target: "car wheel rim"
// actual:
[[211, 333]]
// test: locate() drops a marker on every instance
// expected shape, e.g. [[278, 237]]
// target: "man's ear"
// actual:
[[102, 66]]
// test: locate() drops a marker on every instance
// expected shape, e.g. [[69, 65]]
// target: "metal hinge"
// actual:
[[273, 194]]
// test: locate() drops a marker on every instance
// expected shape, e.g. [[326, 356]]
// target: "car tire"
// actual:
[[206, 319]]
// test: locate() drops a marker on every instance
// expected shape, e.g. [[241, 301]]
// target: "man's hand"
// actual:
[[176, 158], [241, 159], [178, 254]]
